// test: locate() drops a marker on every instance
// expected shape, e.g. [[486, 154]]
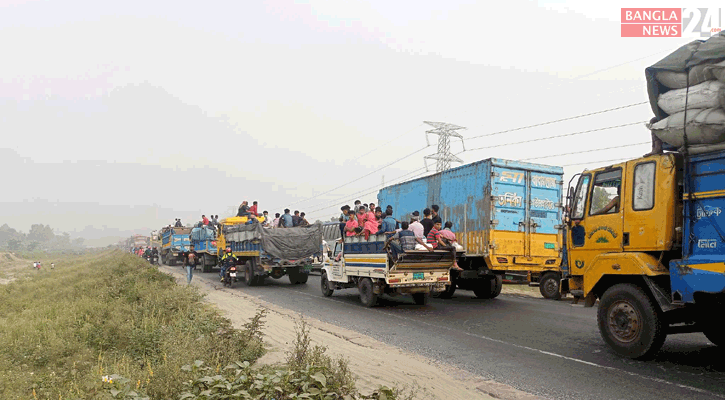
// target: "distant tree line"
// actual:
[[40, 237]]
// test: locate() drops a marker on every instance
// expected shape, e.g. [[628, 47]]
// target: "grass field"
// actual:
[[108, 313]]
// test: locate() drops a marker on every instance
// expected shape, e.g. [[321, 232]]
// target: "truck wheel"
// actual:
[[489, 288], [249, 278], [716, 335], [549, 286], [367, 297], [206, 263], [629, 322], [302, 278], [446, 294], [420, 299], [324, 285]]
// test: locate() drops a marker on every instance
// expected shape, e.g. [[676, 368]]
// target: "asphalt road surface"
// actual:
[[547, 348]]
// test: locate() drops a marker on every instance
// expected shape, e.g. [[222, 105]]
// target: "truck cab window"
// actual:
[[643, 197], [606, 193], [338, 249], [580, 197]]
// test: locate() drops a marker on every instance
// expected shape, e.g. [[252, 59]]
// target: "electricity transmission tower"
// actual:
[[443, 157]]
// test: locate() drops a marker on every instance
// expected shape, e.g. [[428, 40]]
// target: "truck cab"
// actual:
[[625, 229], [367, 266]]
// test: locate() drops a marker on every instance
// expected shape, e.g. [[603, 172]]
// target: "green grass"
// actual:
[[109, 313]]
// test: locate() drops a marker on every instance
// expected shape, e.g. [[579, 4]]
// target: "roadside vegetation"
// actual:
[[107, 325]]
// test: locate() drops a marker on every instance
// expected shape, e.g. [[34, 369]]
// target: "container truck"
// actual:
[[506, 215]]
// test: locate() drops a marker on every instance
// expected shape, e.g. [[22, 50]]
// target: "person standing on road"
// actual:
[[190, 258]]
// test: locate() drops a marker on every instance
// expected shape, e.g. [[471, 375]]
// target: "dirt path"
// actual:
[[12, 267], [373, 362]]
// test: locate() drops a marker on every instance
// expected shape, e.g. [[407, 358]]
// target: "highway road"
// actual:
[[547, 348]]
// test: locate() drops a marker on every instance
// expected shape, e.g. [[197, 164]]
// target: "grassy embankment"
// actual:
[[111, 315]]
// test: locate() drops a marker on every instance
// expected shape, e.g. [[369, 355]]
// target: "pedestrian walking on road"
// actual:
[[190, 259]]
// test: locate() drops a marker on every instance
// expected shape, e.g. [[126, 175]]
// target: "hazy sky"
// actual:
[[128, 114]]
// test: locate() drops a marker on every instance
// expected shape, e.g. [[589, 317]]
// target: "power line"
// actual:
[[387, 143], [374, 191], [362, 177], [559, 120], [598, 162], [584, 151], [360, 193], [557, 136]]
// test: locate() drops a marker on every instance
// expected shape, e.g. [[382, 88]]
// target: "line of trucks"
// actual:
[[643, 239]]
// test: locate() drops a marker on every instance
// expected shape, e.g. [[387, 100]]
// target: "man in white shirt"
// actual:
[[416, 226]]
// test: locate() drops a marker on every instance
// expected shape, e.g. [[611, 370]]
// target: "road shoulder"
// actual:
[[373, 362]]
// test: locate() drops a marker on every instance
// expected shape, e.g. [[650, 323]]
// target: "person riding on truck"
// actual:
[[404, 240], [228, 260]]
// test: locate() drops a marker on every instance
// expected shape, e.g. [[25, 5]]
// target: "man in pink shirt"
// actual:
[[351, 225], [253, 208], [416, 227]]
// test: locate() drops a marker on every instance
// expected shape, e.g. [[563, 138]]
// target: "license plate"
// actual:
[[418, 275], [233, 274]]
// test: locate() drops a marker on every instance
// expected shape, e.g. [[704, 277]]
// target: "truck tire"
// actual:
[[207, 263], [302, 278], [549, 286], [249, 278], [297, 277], [629, 321], [367, 297], [715, 334], [489, 288], [324, 285], [446, 294], [420, 299]]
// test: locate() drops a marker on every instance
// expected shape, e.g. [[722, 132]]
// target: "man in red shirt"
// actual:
[[204, 220], [434, 239], [253, 208]]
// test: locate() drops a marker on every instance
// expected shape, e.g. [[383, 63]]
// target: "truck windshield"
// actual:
[[580, 197]]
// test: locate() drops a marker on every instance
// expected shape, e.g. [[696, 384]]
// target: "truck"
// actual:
[[271, 252], [506, 215], [141, 241], [367, 265], [646, 238], [174, 240], [204, 241]]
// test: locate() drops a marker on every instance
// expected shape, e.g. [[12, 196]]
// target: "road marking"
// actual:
[[548, 353]]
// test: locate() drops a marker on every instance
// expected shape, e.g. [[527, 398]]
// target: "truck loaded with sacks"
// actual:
[[646, 237]]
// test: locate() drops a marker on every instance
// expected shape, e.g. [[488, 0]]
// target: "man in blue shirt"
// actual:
[[388, 225], [285, 221]]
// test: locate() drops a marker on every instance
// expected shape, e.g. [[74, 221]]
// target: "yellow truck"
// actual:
[[646, 238]]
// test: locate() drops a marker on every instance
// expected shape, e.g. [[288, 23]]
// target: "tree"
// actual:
[[41, 233]]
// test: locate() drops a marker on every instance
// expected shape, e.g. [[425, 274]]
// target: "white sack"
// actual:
[[703, 127], [708, 94], [717, 71], [703, 148], [678, 80]]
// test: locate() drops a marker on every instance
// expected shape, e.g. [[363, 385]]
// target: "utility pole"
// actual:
[[443, 157]]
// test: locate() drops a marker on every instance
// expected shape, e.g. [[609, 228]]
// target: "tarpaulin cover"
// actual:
[[693, 58], [285, 243], [202, 234], [292, 243]]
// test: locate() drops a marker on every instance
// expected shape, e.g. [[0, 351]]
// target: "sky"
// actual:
[[117, 117]]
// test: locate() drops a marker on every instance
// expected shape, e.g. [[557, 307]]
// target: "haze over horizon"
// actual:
[[118, 118]]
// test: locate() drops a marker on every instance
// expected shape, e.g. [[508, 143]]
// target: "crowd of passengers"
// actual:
[[401, 236]]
